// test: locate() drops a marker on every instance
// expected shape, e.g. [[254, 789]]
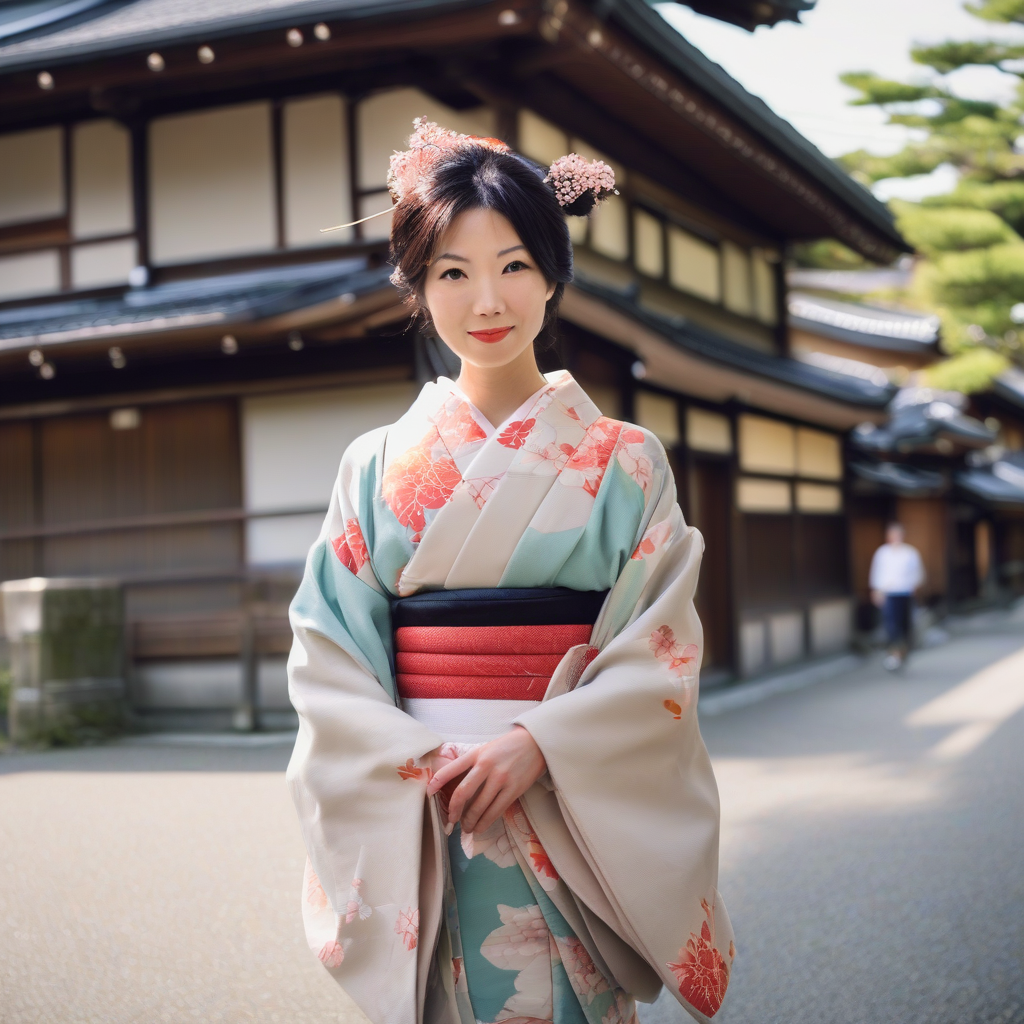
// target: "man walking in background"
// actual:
[[896, 572]]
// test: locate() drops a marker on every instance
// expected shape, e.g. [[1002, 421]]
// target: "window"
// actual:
[[648, 244], [767, 446], [693, 265], [736, 279], [540, 140], [609, 228], [756, 495], [818, 454], [211, 179], [708, 431], [660, 415], [819, 498], [764, 287]]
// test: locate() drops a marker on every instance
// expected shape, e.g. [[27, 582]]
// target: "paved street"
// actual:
[[873, 862]]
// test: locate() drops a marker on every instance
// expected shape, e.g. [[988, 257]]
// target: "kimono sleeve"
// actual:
[[353, 774], [632, 777]]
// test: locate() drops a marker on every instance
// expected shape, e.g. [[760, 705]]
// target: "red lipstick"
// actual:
[[491, 335]]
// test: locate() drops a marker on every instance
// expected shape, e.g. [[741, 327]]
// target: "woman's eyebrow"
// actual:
[[505, 252], [452, 256]]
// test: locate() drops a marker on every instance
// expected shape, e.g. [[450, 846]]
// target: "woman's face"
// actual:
[[484, 291]]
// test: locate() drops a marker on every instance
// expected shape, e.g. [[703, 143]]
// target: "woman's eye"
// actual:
[[452, 274], [515, 266]]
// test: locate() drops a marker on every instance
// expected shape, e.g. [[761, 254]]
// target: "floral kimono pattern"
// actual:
[[599, 885]]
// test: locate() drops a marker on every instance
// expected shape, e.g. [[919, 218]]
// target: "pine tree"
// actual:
[[972, 238]]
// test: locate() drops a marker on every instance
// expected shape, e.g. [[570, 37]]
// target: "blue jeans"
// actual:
[[896, 616]]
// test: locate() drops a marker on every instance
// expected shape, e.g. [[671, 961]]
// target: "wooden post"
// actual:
[[247, 715]]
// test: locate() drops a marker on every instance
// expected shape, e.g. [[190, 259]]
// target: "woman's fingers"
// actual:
[[473, 812], [496, 809], [474, 779], [451, 770]]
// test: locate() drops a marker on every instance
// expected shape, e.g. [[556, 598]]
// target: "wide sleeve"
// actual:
[[353, 775], [630, 772]]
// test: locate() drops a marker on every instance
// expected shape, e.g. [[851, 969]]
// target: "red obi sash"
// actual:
[[487, 644]]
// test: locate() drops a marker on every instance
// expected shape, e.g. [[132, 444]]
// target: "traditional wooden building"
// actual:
[[184, 356], [950, 467]]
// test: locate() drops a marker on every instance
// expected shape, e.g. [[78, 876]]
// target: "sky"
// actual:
[[795, 68]]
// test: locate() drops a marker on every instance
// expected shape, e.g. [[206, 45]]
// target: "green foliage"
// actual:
[[947, 57], [968, 372], [972, 271], [951, 229], [883, 90], [827, 254], [998, 10], [1003, 198]]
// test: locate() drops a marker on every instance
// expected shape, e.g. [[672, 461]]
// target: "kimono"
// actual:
[[598, 886]]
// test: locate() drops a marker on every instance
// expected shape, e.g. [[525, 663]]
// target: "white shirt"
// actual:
[[896, 569]]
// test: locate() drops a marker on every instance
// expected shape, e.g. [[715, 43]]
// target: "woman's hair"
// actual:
[[475, 177]]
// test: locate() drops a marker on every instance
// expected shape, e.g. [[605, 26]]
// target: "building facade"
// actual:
[[184, 355]]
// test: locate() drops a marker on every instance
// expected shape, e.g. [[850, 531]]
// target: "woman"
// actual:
[[508, 809]]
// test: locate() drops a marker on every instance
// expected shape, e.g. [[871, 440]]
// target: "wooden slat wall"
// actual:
[[180, 458], [17, 498]]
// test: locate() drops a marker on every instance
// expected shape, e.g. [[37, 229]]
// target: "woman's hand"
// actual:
[[497, 774]]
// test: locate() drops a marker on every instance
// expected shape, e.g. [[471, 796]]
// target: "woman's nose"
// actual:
[[488, 300]]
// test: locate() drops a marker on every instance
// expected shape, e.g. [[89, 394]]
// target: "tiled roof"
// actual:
[[897, 478], [1001, 484], [122, 27], [860, 324], [842, 387], [226, 299]]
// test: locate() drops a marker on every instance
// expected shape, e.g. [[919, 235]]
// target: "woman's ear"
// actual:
[[550, 292]]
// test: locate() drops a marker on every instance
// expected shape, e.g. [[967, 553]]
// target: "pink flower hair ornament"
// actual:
[[579, 184]]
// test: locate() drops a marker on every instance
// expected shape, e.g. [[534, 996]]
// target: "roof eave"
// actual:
[[647, 26]]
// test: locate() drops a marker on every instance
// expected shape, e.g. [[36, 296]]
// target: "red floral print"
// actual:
[[350, 547], [516, 433], [331, 954], [456, 426], [701, 971], [407, 927], [515, 816], [316, 898], [583, 974], [591, 456], [409, 770], [481, 488], [673, 709], [415, 482], [355, 906], [645, 547], [680, 658]]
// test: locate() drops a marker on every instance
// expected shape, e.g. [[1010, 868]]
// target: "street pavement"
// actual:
[[872, 862]]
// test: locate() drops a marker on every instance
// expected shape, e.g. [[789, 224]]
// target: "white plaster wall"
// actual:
[[34, 273], [211, 184], [831, 626], [101, 179], [384, 124], [787, 637], [31, 175], [317, 189], [291, 449]]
